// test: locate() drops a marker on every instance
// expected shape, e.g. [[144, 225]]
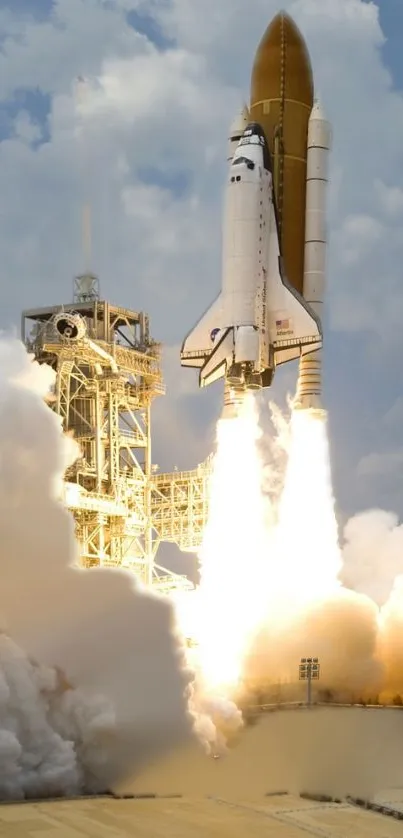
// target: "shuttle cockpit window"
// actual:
[[250, 164]]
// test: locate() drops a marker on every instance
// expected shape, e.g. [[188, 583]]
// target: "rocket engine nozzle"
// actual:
[[233, 401], [235, 377], [254, 382]]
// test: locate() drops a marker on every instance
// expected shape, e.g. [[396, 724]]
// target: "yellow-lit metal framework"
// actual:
[[180, 506], [108, 374]]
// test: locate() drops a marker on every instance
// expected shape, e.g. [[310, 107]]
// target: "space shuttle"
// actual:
[[259, 320]]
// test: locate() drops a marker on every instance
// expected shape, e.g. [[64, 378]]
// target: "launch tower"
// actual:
[[107, 376]]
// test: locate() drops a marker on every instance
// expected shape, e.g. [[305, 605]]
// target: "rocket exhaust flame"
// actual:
[[232, 556], [270, 591], [307, 554]]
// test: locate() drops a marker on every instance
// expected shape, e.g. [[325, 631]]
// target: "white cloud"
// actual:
[[26, 129], [382, 464], [358, 236], [155, 127], [79, 35], [394, 416], [390, 198]]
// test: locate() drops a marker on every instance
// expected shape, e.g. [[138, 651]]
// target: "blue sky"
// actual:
[[166, 81], [391, 18], [39, 9]]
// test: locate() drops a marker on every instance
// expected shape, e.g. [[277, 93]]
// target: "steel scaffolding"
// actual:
[[107, 375]]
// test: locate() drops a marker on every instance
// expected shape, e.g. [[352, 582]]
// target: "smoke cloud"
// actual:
[[321, 601], [280, 565], [372, 553], [93, 683], [341, 631]]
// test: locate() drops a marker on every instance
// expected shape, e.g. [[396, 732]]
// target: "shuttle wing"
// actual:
[[296, 327], [198, 344]]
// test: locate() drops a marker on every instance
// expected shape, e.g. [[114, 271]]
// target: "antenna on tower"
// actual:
[[86, 285]]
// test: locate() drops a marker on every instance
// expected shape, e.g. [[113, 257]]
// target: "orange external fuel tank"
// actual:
[[281, 102]]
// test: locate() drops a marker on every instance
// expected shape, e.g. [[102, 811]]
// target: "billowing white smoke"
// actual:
[[373, 565], [309, 611], [373, 553], [114, 643], [51, 737]]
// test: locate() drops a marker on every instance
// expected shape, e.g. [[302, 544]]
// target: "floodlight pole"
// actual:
[[309, 686], [309, 669]]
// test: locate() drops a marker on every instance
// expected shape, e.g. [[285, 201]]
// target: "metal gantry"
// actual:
[[107, 375], [180, 505]]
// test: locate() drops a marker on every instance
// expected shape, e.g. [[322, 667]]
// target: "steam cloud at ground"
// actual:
[[97, 631]]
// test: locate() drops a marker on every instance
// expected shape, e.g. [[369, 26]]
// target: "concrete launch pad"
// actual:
[[278, 816], [340, 752], [320, 771]]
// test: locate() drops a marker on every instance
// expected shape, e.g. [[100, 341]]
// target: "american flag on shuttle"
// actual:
[[283, 324]]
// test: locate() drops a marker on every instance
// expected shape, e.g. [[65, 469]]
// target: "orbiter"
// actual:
[[258, 320], [274, 230]]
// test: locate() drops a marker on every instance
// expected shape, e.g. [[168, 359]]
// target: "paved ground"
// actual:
[[334, 751], [392, 798], [279, 816]]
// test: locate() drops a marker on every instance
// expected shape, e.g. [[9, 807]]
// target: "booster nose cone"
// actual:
[[319, 128]]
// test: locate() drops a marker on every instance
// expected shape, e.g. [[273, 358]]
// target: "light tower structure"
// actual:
[[108, 374]]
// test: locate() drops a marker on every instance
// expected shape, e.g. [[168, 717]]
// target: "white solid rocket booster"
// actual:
[[309, 388]]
